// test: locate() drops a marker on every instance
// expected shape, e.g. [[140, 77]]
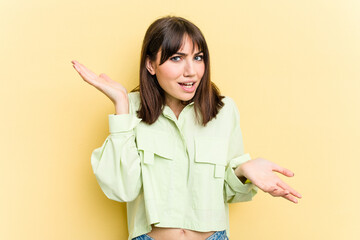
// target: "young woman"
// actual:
[[175, 151]]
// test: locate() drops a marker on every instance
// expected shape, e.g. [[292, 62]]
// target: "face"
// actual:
[[180, 75]]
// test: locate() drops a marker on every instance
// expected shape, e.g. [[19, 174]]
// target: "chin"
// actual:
[[187, 98]]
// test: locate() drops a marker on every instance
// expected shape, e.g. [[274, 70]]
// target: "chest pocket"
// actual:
[[213, 151], [154, 144]]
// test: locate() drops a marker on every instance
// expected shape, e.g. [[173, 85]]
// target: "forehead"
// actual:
[[188, 45]]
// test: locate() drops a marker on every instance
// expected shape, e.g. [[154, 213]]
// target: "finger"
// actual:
[[88, 73], [279, 192], [275, 193], [80, 71], [291, 198], [272, 189], [290, 189], [267, 188], [282, 170], [81, 68], [85, 68], [76, 63], [87, 78], [76, 68]]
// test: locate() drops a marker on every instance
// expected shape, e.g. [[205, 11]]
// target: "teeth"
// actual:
[[187, 84]]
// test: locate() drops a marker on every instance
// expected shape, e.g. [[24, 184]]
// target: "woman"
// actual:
[[175, 151]]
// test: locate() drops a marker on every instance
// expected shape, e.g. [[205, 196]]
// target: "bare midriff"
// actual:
[[159, 233]]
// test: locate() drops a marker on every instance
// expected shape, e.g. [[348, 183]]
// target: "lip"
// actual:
[[188, 82], [189, 90]]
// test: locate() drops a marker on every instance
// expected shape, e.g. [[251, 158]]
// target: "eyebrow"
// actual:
[[183, 54]]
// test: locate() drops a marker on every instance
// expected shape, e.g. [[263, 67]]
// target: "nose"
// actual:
[[189, 69]]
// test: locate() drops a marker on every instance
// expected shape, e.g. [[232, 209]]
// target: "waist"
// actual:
[[159, 233]]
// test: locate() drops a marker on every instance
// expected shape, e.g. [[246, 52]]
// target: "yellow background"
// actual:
[[291, 66]]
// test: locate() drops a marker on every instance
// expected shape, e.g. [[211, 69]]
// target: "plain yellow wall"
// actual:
[[292, 67]]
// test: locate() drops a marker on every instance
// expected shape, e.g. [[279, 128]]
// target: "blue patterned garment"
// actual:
[[219, 235]]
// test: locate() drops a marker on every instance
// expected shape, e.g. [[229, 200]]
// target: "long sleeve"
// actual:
[[234, 189], [116, 164]]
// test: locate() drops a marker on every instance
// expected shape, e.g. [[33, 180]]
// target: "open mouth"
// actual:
[[187, 85]]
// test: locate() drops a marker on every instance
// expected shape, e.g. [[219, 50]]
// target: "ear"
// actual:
[[149, 65]]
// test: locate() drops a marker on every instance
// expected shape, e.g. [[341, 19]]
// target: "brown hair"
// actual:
[[167, 33]]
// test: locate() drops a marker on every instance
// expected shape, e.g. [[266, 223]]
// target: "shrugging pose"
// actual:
[[175, 150]]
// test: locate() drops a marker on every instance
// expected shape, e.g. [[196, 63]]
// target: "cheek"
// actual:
[[170, 72], [201, 70]]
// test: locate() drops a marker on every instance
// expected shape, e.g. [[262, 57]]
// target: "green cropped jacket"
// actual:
[[174, 173]]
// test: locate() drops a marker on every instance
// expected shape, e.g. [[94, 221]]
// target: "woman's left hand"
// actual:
[[261, 173]]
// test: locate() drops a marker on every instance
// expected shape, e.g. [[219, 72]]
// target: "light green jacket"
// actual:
[[175, 172]]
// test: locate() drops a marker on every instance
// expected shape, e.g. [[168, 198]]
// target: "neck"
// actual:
[[175, 106]]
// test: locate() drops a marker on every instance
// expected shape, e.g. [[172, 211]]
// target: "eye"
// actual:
[[199, 57], [175, 58]]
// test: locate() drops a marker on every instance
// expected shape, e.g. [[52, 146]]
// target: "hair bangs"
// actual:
[[175, 39]]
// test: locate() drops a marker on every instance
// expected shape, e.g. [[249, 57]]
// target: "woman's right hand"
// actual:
[[113, 90]]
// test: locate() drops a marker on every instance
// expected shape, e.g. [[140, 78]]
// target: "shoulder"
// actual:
[[228, 100], [230, 110], [229, 105]]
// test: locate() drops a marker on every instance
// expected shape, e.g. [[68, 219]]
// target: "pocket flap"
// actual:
[[155, 142], [211, 150]]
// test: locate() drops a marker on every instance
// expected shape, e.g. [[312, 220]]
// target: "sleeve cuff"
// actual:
[[122, 122], [239, 160], [231, 178], [235, 183]]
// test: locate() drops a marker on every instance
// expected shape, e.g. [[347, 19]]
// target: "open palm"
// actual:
[[261, 172], [112, 89]]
